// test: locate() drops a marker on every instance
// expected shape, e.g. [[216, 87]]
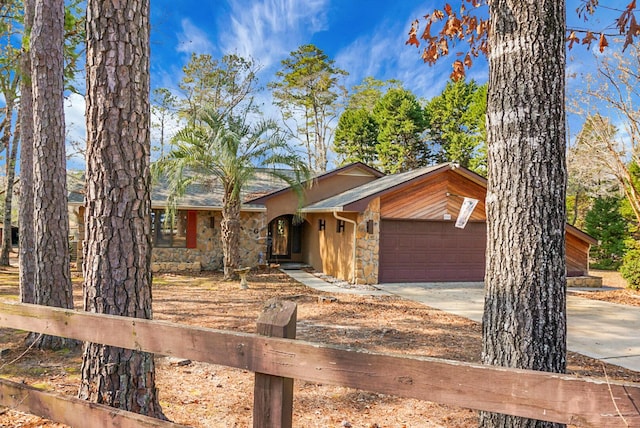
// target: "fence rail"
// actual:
[[538, 395]]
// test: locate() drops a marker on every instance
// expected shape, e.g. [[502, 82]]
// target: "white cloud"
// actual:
[[193, 39], [268, 30], [382, 53]]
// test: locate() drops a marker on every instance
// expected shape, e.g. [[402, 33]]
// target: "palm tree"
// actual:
[[229, 152]]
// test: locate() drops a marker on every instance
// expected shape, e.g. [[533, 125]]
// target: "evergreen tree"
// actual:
[[51, 220], [605, 223], [308, 93], [356, 137], [455, 124], [117, 249], [163, 109], [368, 93], [226, 85], [401, 123]]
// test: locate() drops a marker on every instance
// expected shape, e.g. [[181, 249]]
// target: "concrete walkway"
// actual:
[[313, 281], [602, 330]]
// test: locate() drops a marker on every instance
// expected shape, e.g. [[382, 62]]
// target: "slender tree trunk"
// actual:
[[52, 276], [26, 234], [162, 120], [11, 145], [7, 241], [524, 322], [230, 230], [576, 208], [117, 251]]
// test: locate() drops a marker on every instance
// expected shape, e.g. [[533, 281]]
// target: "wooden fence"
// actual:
[[277, 361]]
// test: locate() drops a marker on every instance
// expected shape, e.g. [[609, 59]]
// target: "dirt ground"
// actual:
[[204, 395]]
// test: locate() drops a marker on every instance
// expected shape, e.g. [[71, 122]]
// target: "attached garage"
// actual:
[[400, 228], [431, 251]]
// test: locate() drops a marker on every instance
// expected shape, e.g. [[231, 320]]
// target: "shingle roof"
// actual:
[[197, 196], [318, 178], [371, 189]]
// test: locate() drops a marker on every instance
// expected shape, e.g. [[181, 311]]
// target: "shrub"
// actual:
[[630, 268], [605, 223]]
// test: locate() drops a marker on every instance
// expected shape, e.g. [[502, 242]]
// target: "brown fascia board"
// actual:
[[580, 234], [362, 204], [323, 176], [473, 176]]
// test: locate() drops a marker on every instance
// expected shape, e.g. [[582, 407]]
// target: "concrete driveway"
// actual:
[[602, 330]]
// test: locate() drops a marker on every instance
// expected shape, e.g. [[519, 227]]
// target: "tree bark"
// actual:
[[524, 322], [52, 276], [26, 234], [117, 250], [230, 232]]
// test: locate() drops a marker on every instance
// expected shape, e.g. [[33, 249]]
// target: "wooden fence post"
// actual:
[[273, 395]]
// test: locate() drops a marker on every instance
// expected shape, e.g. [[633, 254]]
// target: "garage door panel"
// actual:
[[421, 251]]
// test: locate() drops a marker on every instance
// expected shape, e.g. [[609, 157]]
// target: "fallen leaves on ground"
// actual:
[[205, 395]]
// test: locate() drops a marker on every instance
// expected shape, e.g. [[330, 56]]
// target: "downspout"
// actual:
[[353, 270]]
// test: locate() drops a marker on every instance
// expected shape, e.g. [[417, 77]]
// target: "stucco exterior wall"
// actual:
[[288, 203], [311, 241], [328, 250], [368, 245]]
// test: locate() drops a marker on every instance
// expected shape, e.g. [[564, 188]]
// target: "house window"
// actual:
[[169, 232]]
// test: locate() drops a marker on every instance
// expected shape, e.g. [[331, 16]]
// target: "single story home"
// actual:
[[358, 225], [354, 223]]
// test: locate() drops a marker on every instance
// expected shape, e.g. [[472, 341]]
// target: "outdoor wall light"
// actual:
[[340, 226], [369, 226], [321, 224]]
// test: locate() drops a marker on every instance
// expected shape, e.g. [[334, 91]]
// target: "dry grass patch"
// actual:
[[205, 395]]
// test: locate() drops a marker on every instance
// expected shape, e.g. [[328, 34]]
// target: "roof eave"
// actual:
[[157, 206], [580, 234], [373, 171], [321, 210]]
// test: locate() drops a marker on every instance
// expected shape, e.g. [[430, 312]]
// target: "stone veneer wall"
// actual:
[[208, 254], [584, 281], [368, 245]]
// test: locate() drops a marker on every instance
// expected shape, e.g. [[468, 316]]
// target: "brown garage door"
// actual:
[[431, 251]]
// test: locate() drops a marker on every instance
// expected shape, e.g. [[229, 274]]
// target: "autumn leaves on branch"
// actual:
[[446, 26]]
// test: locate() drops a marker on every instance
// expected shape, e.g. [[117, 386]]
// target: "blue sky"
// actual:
[[364, 38]]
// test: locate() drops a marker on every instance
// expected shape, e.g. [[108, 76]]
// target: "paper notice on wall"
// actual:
[[466, 209]]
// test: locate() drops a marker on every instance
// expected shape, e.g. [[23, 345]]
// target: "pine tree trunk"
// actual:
[[117, 251], [26, 234], [52, 276], [230, 229], [10, 173], [7, 241], [524, 323]]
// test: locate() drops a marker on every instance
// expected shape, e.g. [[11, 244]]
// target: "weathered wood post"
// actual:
[[273, 395]]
